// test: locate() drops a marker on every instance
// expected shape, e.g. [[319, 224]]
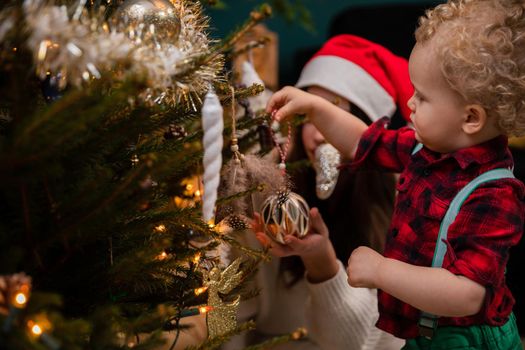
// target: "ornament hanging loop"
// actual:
[[234, 143], [282, 149]]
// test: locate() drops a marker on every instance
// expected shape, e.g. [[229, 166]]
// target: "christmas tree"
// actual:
[[108, 178]]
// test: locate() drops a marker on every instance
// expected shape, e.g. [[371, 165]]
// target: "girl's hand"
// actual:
[[363, 267], [290, 101], [312, 244]]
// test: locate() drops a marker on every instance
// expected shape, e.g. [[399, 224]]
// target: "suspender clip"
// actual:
[[427, 326]]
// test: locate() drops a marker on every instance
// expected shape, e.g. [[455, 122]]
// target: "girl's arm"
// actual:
[[340, 128], [434, 290]]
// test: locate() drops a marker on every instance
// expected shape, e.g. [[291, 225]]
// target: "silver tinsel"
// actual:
[[327, 159], [80, 46]]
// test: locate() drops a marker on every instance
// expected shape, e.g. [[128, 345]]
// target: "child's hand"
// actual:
[[310, 245], [290, 101], [363, 267]]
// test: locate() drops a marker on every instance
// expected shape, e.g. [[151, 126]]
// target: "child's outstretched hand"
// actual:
[[290, 101], [363, 267], [310, 245]]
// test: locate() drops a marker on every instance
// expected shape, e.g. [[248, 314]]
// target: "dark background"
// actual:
[[385, 21]]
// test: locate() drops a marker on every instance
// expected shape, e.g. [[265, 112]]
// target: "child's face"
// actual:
[[438, 111], [311, 137]]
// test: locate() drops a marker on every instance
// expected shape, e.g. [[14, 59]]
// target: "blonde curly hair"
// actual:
[[482, 52]]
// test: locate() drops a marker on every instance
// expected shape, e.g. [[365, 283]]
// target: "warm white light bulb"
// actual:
[[20, 299], [162, 256], [204, 309], [197, 258], [200, 290], [36, 329]]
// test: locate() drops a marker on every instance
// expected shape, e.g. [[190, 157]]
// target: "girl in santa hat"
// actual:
[[308, 285]]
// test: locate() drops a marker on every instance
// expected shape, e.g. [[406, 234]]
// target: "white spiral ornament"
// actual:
[[212, 124]]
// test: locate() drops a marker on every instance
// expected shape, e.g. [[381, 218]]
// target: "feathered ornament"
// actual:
[[213, 125], [253, 171], [242, 174]]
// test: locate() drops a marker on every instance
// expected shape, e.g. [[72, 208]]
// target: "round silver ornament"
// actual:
[[327, 159], [156, 17], [285, 213]]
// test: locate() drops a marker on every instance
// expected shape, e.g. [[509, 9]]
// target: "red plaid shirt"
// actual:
[[489, 223]]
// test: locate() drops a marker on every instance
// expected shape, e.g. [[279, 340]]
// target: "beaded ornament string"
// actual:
[[234, 145], [283, 150]]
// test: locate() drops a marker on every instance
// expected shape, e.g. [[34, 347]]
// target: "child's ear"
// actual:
[[475, 119]]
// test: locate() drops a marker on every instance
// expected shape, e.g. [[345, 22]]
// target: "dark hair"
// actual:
[[357, 213]]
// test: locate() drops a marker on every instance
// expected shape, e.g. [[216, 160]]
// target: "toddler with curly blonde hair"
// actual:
[[482, 52], [459, 208]]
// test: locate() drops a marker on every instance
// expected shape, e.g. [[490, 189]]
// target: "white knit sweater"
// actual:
[[336, 315], [343, 317]]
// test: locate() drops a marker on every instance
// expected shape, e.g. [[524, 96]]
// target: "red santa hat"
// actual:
[[365, 73]]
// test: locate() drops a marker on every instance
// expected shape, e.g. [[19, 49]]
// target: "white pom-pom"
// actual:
[[250, 77], [275, 126], [213, 125]]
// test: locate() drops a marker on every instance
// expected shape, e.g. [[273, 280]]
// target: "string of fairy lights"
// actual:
[[39, 327], [17, 291], [17, 288]]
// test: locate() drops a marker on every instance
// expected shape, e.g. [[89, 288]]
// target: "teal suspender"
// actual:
[[428, 322], [417, 148]]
